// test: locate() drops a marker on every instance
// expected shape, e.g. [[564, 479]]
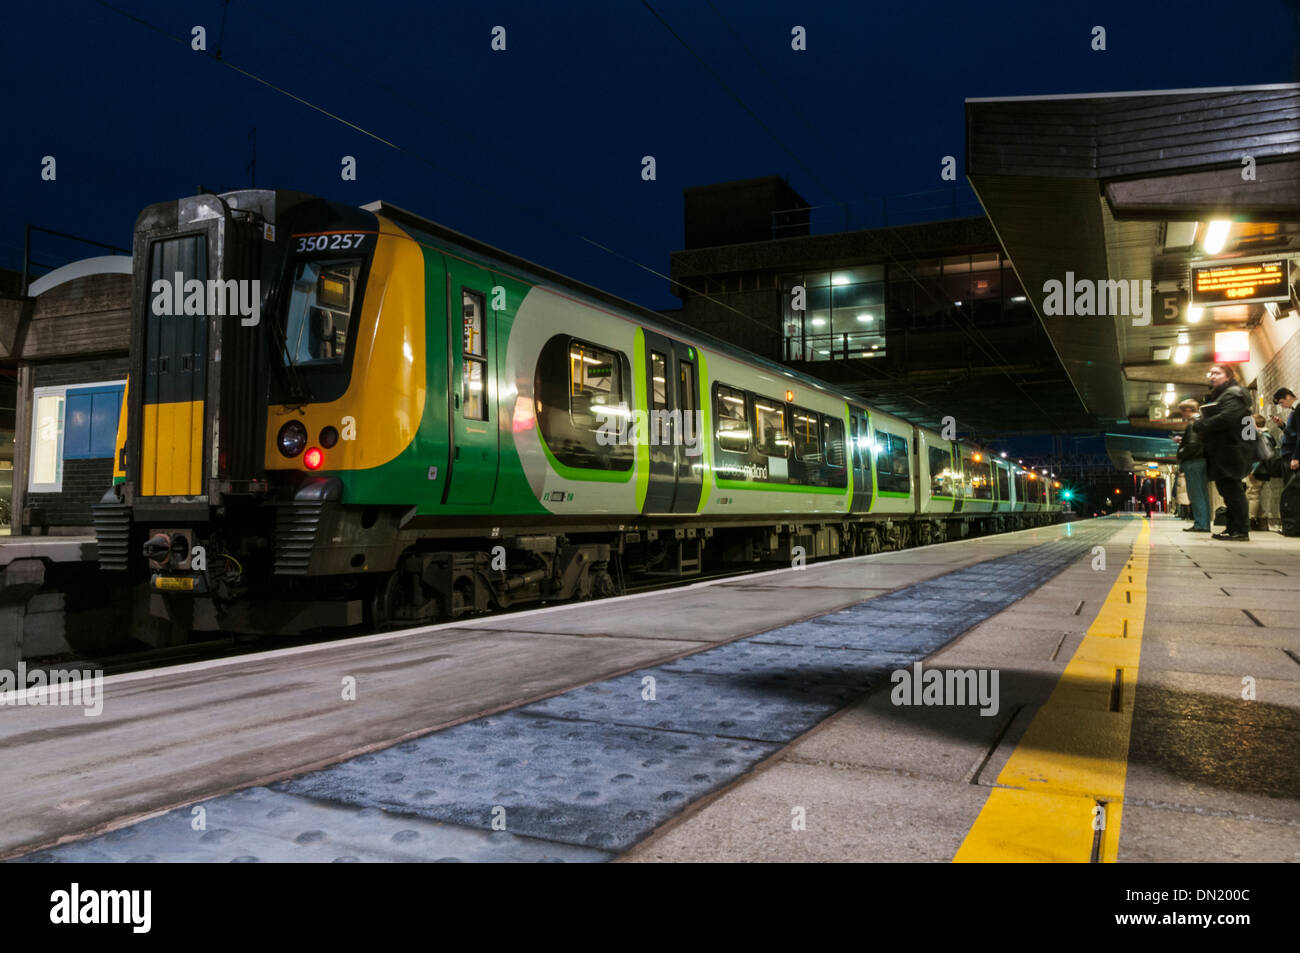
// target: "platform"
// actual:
[[61, 549], [32, 621], [745, 719]]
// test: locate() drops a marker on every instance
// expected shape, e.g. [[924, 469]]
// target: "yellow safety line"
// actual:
[[1060, 796]]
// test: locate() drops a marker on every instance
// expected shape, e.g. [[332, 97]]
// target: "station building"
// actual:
[[63, 366], [921, 320]]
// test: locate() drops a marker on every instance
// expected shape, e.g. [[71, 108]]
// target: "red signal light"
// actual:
[[1151, 499], [313, 458]]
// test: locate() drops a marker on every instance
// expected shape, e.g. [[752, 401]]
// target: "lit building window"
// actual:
[[843, 315]]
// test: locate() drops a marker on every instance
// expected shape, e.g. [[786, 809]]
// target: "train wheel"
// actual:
[[603, 586], [392, 604]]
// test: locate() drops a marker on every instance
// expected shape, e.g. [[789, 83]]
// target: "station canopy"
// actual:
[[1194, 195]]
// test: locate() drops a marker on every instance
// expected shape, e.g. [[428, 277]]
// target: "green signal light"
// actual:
[[1067, 494]]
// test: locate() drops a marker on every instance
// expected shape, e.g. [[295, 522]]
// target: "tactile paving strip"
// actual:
[[593, 784], [603, 765], [258, 824]]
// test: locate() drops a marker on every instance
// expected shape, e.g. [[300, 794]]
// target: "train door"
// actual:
[[173, 398], [959, 478], [860, 461], [661, 399], [689, 448], [472, 375], [1002, 486]]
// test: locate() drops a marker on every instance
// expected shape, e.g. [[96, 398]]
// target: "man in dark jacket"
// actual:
[[1225, 420], [1288, 454], [1147, 495], [1191, 460]]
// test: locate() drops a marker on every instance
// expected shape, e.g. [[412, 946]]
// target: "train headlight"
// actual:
[[328, 437], [292, 438], [313, 458]]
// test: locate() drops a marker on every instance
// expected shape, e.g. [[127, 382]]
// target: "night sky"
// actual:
[[533, 148]]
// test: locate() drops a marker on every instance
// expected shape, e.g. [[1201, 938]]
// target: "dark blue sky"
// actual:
[[531, 148]]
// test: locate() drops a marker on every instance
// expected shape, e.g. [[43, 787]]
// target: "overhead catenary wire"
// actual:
[[999, 361], [544, 216], [776, 138], [424, 159], [437, 166]]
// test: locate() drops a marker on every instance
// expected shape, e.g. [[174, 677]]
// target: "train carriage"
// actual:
[[341, 415]]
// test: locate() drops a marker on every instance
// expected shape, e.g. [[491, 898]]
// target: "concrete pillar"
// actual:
[[22, 446]]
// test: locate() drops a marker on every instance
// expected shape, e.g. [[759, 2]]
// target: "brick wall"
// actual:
[[84, 482], [80, 372], [1282, 371]]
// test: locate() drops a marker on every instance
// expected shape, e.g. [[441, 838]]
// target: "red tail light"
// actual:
[[313, 458]]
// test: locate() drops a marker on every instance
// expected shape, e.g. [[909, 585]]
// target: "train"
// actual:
[[310, 439]]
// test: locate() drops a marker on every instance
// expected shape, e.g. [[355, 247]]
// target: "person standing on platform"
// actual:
[[1147, 494], [1191, 460], [1288, 454], [1181, 499], [1225, 416], [1287, 463], [1259, 476]]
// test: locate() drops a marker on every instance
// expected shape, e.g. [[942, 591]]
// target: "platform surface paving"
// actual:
[[602, 764], [784, 744], [1210, 769]]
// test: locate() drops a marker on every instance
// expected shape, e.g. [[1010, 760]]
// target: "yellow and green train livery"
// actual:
[[344, 416]]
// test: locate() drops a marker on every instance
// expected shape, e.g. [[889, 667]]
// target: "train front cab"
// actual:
[[194, 517], [190, 427]]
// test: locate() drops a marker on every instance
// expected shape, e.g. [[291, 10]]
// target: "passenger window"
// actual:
[[834, 440], [769, 427], [893, 468], [807, 442], [594, 384], [1004, 483], [687, 403], [686, 387], [942, 479], [659, 427], [580, 402], [733, 432], [474, 357], [658, 381], [978, 478]]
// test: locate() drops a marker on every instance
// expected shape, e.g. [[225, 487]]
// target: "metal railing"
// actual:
[[29, 263], [831, 347]]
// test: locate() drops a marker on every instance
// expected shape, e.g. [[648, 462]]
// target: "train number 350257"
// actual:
[[338, 240]]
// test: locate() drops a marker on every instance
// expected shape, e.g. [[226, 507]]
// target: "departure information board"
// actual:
[[1241, 281]]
